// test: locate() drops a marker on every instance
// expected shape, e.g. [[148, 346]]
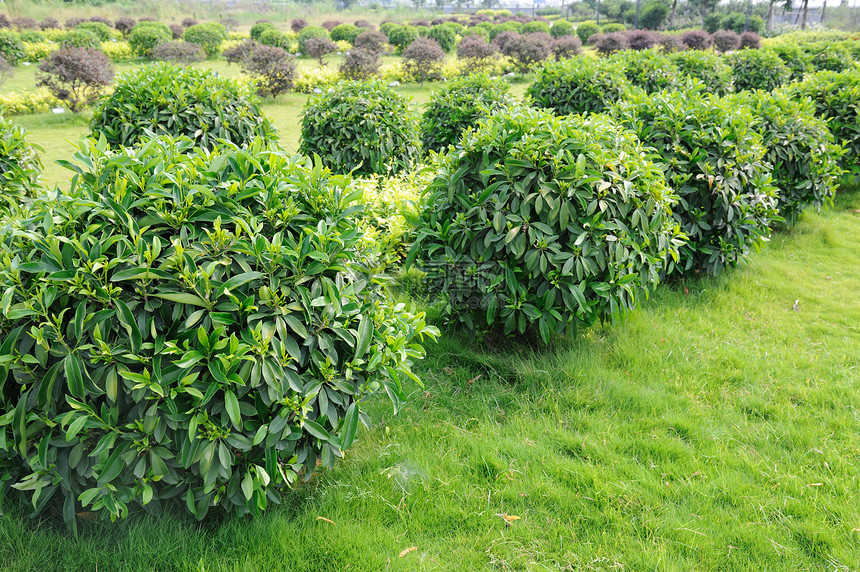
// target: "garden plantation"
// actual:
[[481, 291]]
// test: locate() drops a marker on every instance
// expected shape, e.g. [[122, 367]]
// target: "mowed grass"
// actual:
[[716, 429]]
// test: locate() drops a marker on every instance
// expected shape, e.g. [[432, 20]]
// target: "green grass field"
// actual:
[[716, 429]]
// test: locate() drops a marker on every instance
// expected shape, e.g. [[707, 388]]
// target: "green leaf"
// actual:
[[350, 426], [74, 376], [232, 406], [365, 336], [181, 298]]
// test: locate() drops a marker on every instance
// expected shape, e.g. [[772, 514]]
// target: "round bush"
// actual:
[[726, 40], [717, 164], [612, 28], [372, 41], [167, 99], [610, 43], [198, 364], [577, 85], [799, 147], [528, 50], [535, 26], [641, 39], [260, 27], [298, 24], [359, 64], [561, 28], [696, 40], [750, 40], [209, 36], [585, 30], [444, 35], [460, 105], [836, 97], [401, 36], [100, 29], [178, 52], [20, 166], [309, 32], [345, 33], [565, 47], [758, 69], [647, 69], [278, 39], [363, 127], [423, 59], [11, 47], [240, 52], [707, 67], [475, 53], [124, 25], [81, 38], [537, 224], [146, 35], [509, 26]]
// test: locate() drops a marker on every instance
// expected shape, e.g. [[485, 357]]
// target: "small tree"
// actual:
[[75, 76], [178, 52], [298, 24], [318, 48], [124, 25], [359, 64], [372, 41], [240, 52], [566, 47], [475, 53], [273, 69], [422, 58], [529, 49]]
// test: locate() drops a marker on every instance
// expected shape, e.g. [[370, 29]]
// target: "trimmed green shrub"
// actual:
[[81, 38], [509, 26], [20, 166], [444, 35], [537, 224], [146, 35], [227, 336], [647, 69], [260, 27], [278, 39], [577, 85], [166, 99], [100, 29], [311, 32], [707, 67], [401, 36], [612, 28], [586, 29], [535, 26], [799, 147], [346, 33], [367, 128], [716, 162], [209, 36], [460, 105], [561, 28], [836, 97], [829, 56], [11, 47], [796, 60], [758, 69]]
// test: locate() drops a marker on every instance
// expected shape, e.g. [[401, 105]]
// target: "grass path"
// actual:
[[717, 429]]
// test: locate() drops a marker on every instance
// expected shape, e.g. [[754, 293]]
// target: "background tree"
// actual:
[[422, 58], [319, 48], [273, 69], [75, 76]]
